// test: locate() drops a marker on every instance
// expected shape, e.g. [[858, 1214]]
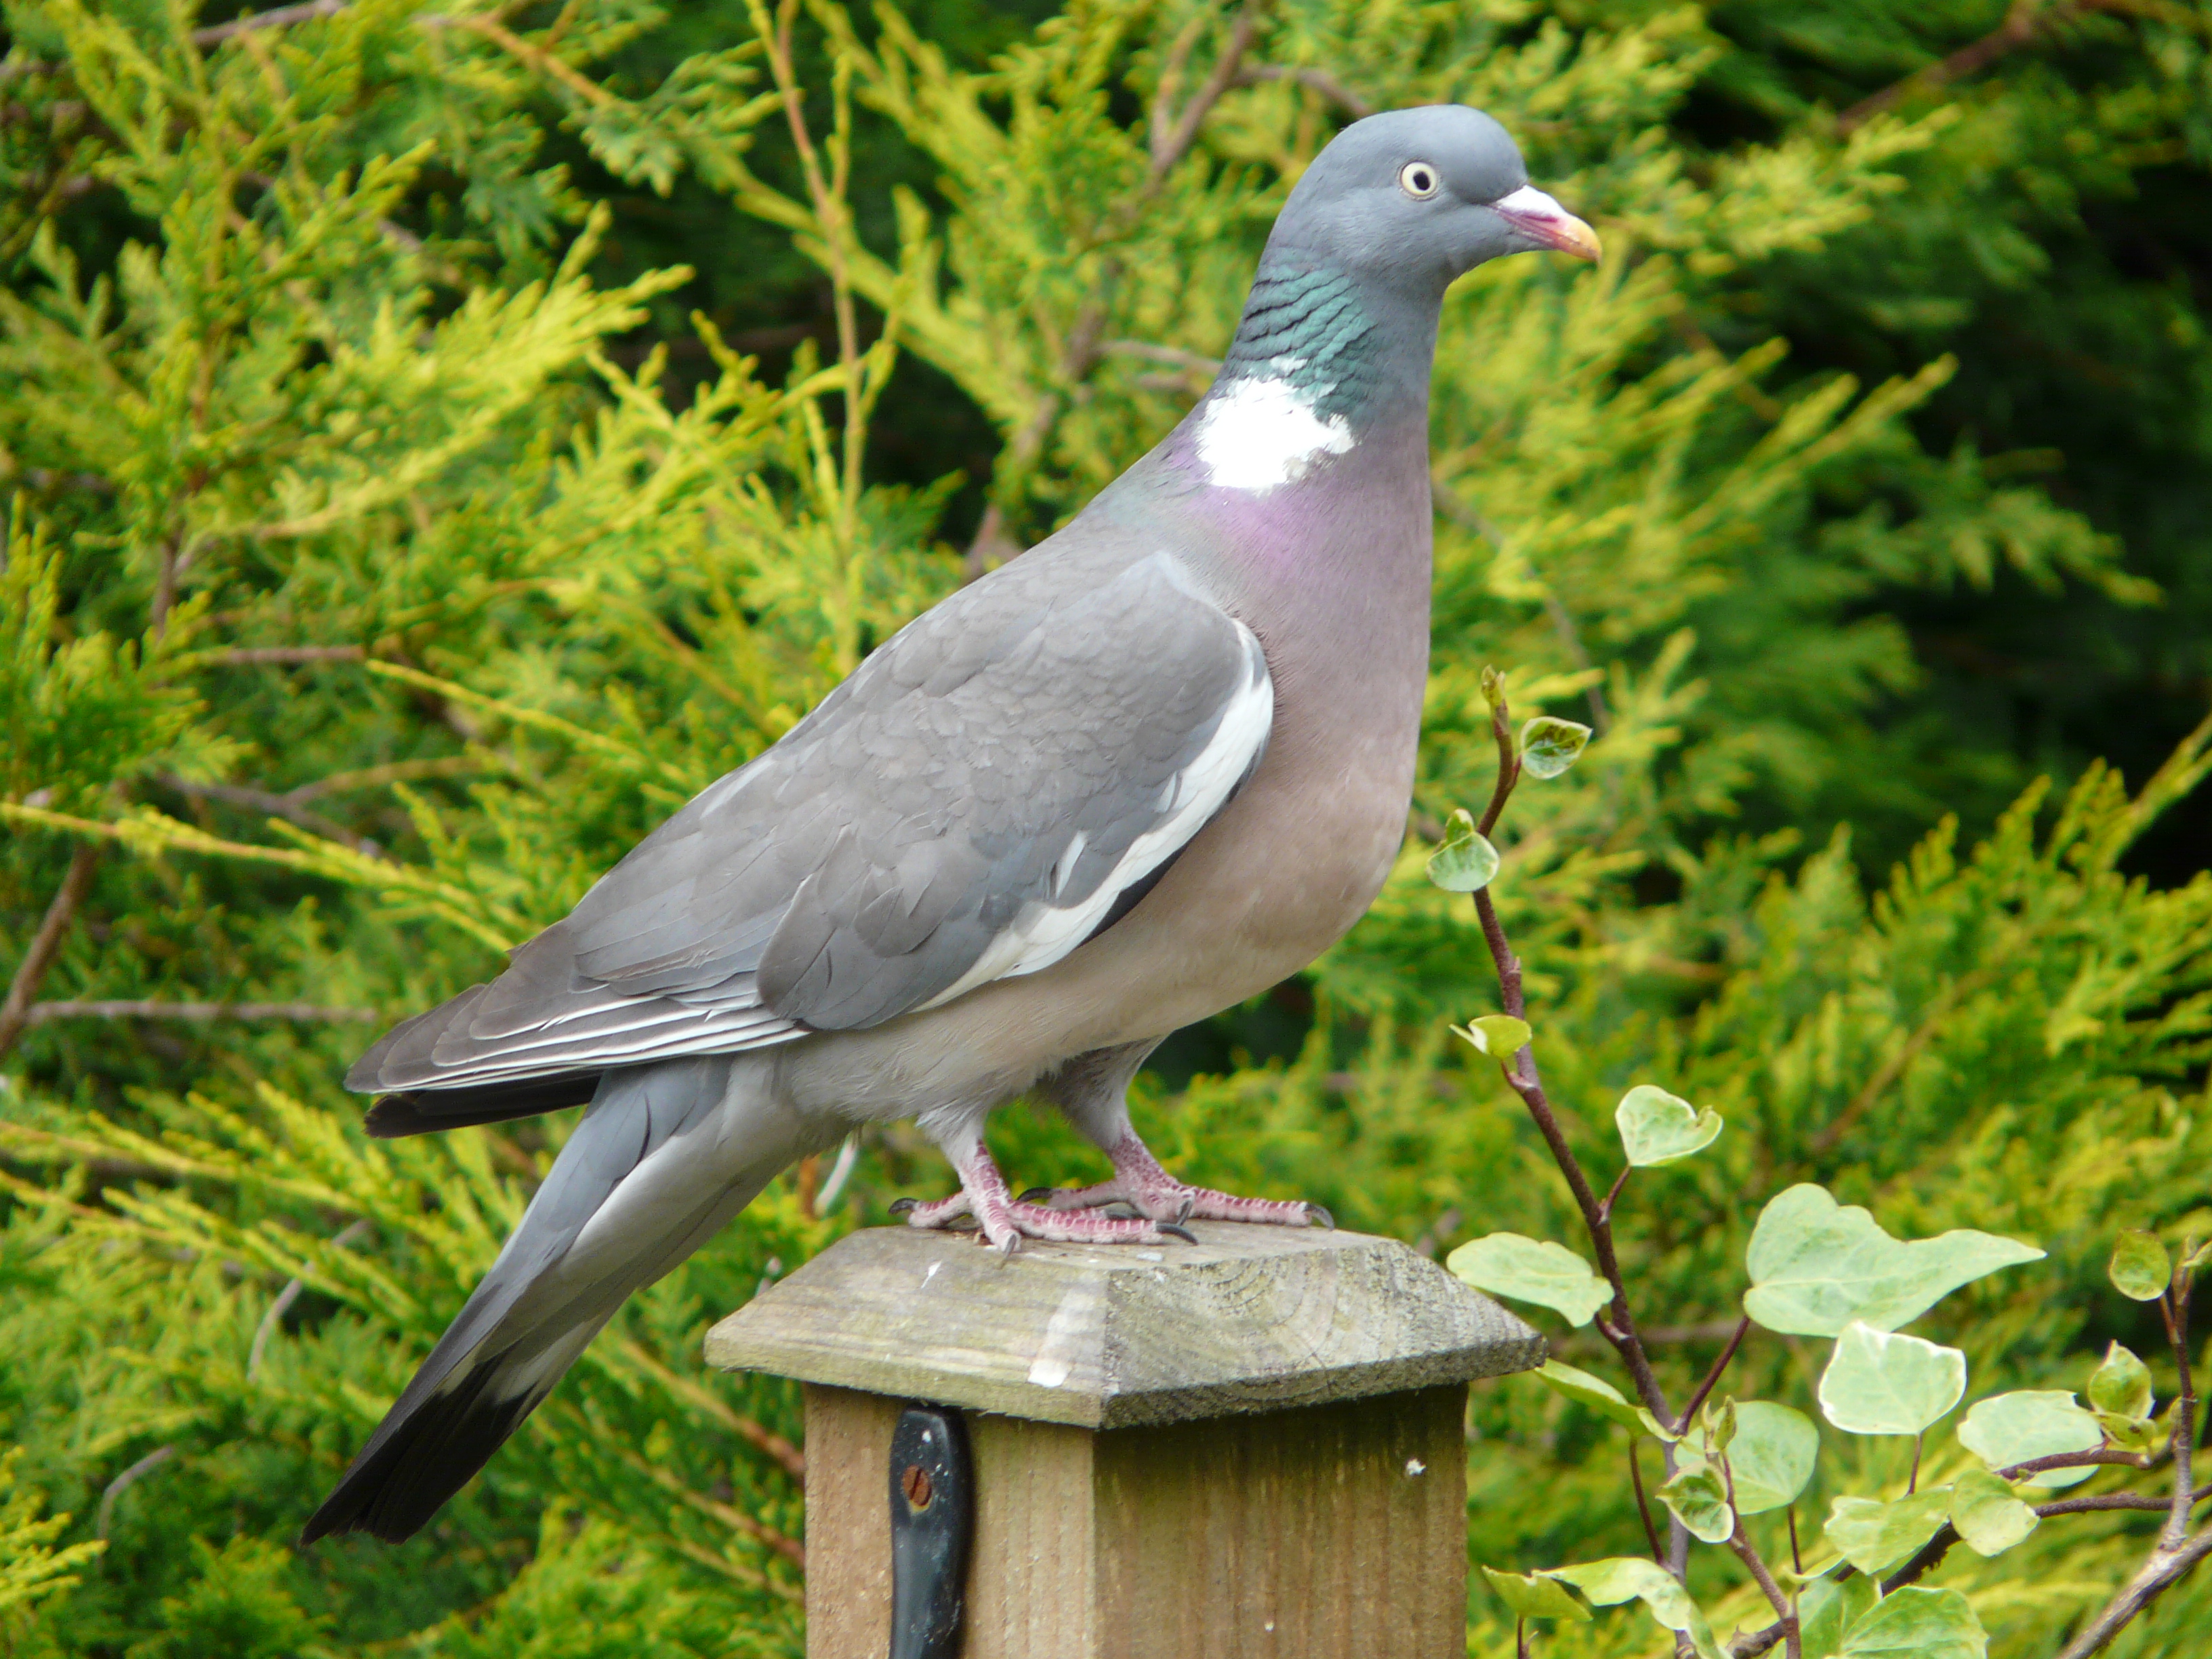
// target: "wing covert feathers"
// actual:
[[971, 804]]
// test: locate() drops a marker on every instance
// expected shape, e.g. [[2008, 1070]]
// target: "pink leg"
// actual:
[[1139, 1182], [1005, 1222]]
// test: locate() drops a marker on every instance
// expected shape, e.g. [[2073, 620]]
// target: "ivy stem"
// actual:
[[1522, 1077], [1912, 1480], [1792, 1641], [1644, 1503], [1613, 1192], [1713, 1376], [2182, 1443]]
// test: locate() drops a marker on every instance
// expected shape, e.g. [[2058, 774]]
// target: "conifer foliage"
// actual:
[[438, 443]]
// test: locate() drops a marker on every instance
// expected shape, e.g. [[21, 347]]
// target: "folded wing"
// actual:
[[994, 787]]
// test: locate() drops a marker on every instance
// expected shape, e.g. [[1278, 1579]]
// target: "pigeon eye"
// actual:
[[1418, 179]]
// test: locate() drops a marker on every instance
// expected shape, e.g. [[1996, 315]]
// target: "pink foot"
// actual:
[[1141, 1182], [1004, 1222]]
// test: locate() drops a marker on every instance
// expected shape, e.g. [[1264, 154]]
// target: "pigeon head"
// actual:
[[1414, 197], [1339, 334]]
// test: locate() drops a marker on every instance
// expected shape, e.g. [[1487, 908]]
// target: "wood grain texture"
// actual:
[[848, 1523], [1328, 1532], [1324, 1532], [1251, 1319]]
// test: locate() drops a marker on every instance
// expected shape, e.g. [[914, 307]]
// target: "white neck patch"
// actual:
[[1256, 434]]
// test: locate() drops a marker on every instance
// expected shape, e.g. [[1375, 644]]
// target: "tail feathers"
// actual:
[[425, 1451], [423, 1111], [663, 1159]]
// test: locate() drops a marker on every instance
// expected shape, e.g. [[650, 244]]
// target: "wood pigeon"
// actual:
[[1150, 768]]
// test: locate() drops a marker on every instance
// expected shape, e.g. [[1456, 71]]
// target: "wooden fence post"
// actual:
[[1253, 1446]]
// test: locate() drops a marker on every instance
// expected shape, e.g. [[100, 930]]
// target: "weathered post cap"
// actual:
[[1250, 1319]]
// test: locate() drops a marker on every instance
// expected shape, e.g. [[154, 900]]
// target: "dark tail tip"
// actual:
[[419, 1457], [425, 1111]]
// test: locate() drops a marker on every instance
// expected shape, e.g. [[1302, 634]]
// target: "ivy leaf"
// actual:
[[1918, 1624], [1988, 1516], [1466, 861], [1772, 1457], [1879, 1383], [1550, 1275], [2011, 1428], [1657, 1127], [1827, 1610], [1630, 1578], [1499, 1035], [1549, 745], [1816, 1266], [1874, 1536], [1601, 1396], [1697, 1497], [1533, 1596], [1718, 1424], [2141, 1269], [2136, 1434], [2121, 1385]]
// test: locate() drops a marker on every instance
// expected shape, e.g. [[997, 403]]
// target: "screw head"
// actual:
[[916, 1484]]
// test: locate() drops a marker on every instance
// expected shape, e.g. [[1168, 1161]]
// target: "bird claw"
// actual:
[[1035, 1195], [1318, 1217], [903, 1206], [1175, 1230]]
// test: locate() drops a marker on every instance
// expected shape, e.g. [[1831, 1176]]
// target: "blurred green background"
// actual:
[[429, 459]]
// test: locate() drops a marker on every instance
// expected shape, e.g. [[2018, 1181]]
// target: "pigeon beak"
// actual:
[[1537, 215]]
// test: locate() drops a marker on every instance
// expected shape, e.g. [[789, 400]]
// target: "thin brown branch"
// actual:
[[2080, 1460], [275, 805], [525, 53], [1171, 134], [737, 1520], [2165, 1569], [1319, 81], [215, 34], [255, 656], [2024, 21], [282, 1304], [308, 1012], [1172, 139], [45, 945], [1931, 1554], [2181, 1439], [1713, 1376], [780, 1451], [2100, 1502], [123, 1482], [1509, 774], [165, 588], [1172, 356], [376, 777], [1642, 1503], [1756, 1566]]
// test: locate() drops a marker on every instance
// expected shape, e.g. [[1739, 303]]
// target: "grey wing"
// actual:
[[972, 803]]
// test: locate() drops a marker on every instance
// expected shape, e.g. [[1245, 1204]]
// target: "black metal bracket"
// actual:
[[933, 1493]]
